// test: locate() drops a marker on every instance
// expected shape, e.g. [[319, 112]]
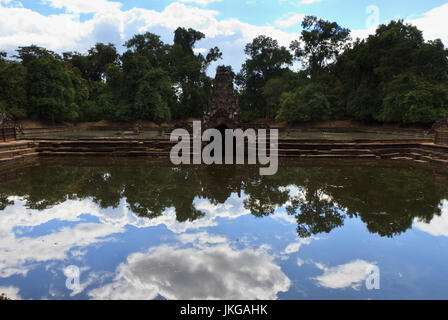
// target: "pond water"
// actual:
[[140, 230]]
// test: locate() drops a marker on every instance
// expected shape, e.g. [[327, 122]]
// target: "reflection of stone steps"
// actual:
[[417, 150]]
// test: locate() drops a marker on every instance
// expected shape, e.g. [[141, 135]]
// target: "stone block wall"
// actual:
[[7, 134], [442, 137]]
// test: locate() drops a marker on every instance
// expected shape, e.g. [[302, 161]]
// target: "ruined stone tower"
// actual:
[[222, 108]]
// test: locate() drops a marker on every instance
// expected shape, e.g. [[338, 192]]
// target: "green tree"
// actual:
[[410, 99], [275, 87], [189, 72], [89, 77], [150, 98], [13, 97], [152, 48], [51, 94], [31, 53], [322, 41], [395, 76], [305, 103], [93, 65], [141, 87], [267, 60]]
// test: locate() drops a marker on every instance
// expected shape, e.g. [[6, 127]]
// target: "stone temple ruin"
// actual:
[[8, 128], [223, 110]]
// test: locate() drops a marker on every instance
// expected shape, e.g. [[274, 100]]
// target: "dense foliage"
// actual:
[[151, 80], [392, 76]]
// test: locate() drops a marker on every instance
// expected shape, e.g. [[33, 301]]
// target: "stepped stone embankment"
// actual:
[[17, 150], [420, 150]]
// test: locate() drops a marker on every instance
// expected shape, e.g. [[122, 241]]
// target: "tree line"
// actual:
[[393, 75], [151, 80]]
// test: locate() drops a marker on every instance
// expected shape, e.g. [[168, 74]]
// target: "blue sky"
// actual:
[[66, 25]]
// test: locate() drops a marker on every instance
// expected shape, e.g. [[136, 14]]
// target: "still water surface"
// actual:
[[151, 231]]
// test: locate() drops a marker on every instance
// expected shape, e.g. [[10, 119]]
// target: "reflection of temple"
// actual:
[[222, 109], [219, 185]]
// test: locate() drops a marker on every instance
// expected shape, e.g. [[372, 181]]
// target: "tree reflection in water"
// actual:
[[387, 199]]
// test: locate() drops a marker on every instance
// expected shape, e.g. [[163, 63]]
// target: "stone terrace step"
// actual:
[[19, 157], [422, 151], [86, 149], [329, 156], [319, 152], [15, 152], [105, 154], [16, 145]]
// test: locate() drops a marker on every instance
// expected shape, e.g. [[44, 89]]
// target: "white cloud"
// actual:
[[290, 20], [22, 26], [438, 225], [362, 33], [343, 276], [11, 293], [110, 23], [18, 255], [216, 272], [66, 32], [309, 1], [200, 50], [201, 238], [434, 23], [284, 217], [208, 264], [93, 277], [295, 246], [174, 15], [202, 2], [84, 6], [249, 32]]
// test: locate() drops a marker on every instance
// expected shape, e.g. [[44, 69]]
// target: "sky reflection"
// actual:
[[307, 233]]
